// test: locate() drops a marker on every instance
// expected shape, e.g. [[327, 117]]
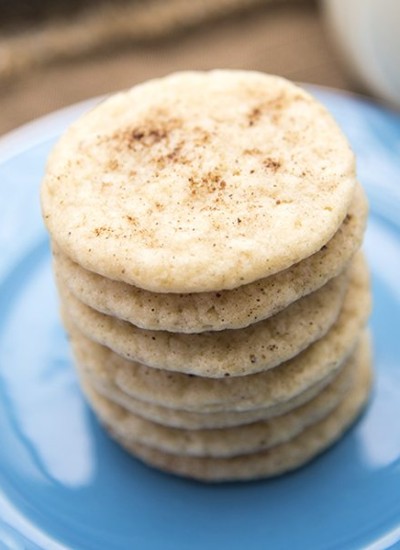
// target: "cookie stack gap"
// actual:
[[205, 230]]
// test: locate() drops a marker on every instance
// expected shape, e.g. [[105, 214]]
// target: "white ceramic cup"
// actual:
[[367, 34]]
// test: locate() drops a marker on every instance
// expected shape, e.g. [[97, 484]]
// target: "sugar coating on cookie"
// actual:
[[199, 182]]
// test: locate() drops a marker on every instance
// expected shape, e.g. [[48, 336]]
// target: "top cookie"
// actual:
[[199, 182]]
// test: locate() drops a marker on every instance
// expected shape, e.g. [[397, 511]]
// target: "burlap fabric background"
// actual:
[[47, 62]]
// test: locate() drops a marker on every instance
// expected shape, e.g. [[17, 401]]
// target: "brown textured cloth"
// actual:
[[286, 39]]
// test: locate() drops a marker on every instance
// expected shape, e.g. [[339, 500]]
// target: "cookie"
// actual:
[[199, 181]]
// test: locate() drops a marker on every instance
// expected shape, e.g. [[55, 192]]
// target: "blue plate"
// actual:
[[64, 484]]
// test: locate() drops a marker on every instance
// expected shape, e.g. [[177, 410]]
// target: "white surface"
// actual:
[[367, 34]]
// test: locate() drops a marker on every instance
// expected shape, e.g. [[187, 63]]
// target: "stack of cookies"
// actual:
[[205, 230]]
